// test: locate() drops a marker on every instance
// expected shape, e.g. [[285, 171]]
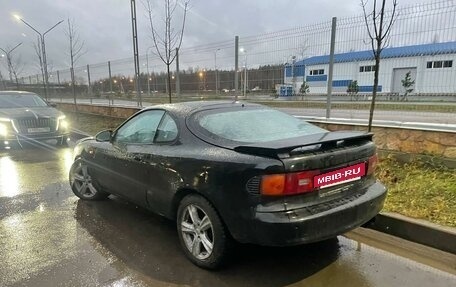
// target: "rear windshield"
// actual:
[[253, 125], [20, 101]]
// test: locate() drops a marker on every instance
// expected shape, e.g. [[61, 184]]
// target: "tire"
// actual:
[[206, 243], [82, 184]]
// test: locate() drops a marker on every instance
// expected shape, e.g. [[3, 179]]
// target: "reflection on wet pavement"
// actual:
[[50, 238], [29, 169]]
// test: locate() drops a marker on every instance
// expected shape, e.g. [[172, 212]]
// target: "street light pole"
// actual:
[[134, 28], [216, 72], [43, 50]]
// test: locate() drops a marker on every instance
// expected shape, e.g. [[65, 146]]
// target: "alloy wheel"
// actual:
[[197, 232], [81, 181]]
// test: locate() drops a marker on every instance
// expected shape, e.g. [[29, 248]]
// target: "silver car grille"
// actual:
[[22, 125]]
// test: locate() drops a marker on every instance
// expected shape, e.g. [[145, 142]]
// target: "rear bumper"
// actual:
[[298, 226]]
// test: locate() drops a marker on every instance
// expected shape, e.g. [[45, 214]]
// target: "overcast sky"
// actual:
[[105, 25]]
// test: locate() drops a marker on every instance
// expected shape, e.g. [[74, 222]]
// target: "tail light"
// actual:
[[299, 182], [288, 184], [372, 164]]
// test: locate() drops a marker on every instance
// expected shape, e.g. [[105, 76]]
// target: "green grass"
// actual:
[[418, 189]]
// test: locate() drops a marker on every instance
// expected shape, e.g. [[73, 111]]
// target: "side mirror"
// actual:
[[54, 105], [104, 136]]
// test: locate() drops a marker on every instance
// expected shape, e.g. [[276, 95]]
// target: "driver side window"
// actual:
[[140, 129]]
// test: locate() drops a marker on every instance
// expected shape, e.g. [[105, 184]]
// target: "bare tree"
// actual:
[[17, 67], [75, 51], [302, 50], [378, 25], [39, 54], [2, 81], [10, 61], [168, 44]]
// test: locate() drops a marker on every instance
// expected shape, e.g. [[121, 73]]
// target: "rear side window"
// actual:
[[167, 131], [253, 125]]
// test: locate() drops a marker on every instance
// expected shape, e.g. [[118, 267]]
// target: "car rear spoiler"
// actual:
[[282, 148]]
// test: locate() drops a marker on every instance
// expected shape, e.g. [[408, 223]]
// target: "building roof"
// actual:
[[396, 52]]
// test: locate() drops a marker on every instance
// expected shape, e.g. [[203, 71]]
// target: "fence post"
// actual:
[[110, 85], [331, 67], [58, 81], [236, 67], [177, 74]]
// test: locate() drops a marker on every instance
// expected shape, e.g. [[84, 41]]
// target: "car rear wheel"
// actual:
[[82, 183], [202, 235]]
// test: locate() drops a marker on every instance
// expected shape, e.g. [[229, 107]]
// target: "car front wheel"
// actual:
[[82, 183], [202, 235]]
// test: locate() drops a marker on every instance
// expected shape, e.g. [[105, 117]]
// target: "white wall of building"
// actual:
[[435, 80]]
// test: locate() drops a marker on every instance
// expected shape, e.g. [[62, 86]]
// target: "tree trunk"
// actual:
[[169, 83], [374, 92], [73, 88]]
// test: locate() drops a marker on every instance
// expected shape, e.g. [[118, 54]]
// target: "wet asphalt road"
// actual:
[[50, 238]]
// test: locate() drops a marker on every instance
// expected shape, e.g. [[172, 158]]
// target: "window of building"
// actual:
[[448, 64], [317, 72], [369, 68], [439, 64]]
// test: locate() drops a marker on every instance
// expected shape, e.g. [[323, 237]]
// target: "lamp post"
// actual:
[[216, 71], [43, 49], [9, 63]]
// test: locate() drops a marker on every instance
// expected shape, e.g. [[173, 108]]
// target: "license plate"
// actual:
[[38, 130], [340, 176]]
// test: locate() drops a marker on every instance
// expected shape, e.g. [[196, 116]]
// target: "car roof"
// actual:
[[25, 93], [186, 108]]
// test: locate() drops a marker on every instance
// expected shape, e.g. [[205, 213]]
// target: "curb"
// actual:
[[415, 230], [420, 253]]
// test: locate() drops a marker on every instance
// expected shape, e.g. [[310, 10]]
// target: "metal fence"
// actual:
[[290, 68]]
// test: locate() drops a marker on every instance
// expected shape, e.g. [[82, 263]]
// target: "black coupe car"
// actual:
[[233, 171], [24, 116]]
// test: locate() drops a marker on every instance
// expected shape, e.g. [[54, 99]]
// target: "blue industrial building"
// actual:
[[431, 67]]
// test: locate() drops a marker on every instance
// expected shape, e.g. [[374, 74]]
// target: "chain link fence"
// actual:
[[289, 69]]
